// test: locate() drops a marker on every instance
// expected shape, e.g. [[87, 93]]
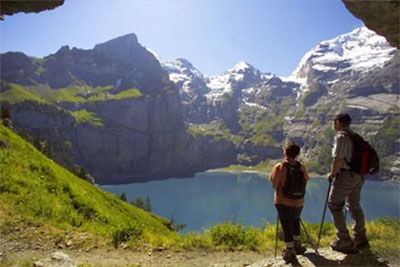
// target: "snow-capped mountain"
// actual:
[[357, 73], [207, 98], [331, 68], [361, 50], [182, 72], [338, 67], [241, 74], [186, 77]]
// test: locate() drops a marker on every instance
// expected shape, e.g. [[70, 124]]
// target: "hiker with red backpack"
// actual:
[[289, 180], [352, 157]]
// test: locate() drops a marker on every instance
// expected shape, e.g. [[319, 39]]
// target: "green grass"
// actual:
[[76, 93], [259, 130], [35, 190], [84, 116], [73, 93], [262, 167], [129, 93], [102, 94], [264, 139], [383, 234], [266, 124], [386, 139], [217, 131], [88, 94], [320, 161], [16, 93], [99, 93]]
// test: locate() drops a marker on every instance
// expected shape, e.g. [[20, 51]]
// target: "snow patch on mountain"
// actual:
[[329, 63], [357, 51], [241, 67], [182, 69], [158, 57], [253, 104], [220, 83]]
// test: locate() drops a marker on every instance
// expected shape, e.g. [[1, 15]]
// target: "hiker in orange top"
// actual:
[[289, 180]]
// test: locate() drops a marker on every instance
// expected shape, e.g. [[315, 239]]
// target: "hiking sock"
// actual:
[[289, 245], [298, 247]]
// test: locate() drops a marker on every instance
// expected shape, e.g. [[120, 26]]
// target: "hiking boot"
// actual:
[[344, 245], [289, 256], [299, 249], [361, 244]]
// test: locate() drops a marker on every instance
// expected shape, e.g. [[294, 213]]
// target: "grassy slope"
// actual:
[[74, 93], [33, 189], [16, 93]]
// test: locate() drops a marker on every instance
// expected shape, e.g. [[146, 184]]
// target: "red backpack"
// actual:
[[364, 160]]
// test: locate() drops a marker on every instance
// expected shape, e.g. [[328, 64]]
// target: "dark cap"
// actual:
[[343, 118]]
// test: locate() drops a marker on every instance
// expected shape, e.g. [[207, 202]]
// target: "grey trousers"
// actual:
[[346, 188]]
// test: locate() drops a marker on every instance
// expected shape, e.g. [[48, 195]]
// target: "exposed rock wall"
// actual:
[[380, 16], [11, 7]]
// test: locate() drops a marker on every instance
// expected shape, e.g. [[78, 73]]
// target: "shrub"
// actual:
[[126, 233], [234, 236], [193, 240], [84, 116]]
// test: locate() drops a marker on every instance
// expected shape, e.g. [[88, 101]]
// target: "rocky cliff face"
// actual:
[[111, 109], [381, 17], [114, 104]]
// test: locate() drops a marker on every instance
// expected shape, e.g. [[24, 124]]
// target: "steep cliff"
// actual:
[[112, 110], [114, 104]]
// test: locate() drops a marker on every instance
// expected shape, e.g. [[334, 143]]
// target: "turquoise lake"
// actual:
[[211, 197]]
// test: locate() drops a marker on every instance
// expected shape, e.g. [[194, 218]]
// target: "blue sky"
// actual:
[[272, 35]]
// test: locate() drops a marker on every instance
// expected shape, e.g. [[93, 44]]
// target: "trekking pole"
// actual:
[[276, 235], [305, 231], [323, 216]]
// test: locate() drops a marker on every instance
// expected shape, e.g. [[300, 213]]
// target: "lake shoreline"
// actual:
[[311, 174], [216, 196]]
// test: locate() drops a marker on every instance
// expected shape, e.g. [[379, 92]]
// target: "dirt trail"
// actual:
[[112, 257]]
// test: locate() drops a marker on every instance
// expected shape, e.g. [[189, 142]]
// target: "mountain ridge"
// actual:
[[149, 113], [338, 70]]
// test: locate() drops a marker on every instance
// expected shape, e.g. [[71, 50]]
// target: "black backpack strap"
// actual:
[[352, 136], [298, 164], [347, 133], [287, 164]]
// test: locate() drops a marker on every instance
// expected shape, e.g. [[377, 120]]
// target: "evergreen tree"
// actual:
[[138, 202], [148, 203], [123, 196], [82, 173], [37, 142], [5, 113], [47, 150], [6, 117]]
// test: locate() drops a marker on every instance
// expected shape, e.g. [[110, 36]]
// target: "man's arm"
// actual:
[[335, 167]]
